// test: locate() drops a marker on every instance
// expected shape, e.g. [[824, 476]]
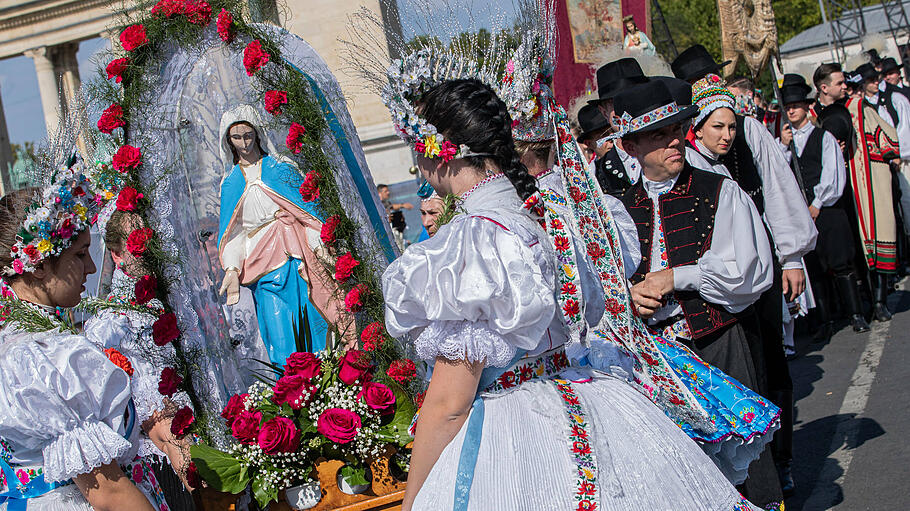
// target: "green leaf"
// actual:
[[306, 426], [396, 431], [263, 496], [354, 476], [220, 470]]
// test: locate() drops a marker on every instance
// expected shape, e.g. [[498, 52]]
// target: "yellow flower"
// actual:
[[108, 195], [432, 146], [570, 273], [588, 474], [44, 246], [80, 210]]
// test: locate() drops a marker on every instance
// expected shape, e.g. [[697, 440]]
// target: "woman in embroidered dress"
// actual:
[[129, 331], [67, 420], [507, 423]]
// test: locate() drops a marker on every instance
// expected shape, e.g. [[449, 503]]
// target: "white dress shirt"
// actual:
[[736, 269], [834, 174], [785, 207], [902, 123]]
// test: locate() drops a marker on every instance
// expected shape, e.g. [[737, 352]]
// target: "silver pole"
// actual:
[[821, 6]]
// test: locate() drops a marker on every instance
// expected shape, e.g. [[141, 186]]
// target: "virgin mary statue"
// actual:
[[269, 241]]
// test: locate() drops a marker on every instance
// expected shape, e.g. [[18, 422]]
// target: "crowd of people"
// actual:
[[604, 304]]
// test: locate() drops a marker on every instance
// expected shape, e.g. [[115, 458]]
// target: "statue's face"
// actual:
[[243, 138]]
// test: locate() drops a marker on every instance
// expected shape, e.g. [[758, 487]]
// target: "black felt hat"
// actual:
[[695, 63], [867, 72], [888, 65], [650, 106], [613, 77], [835, 118], [795, 89], [681, 90], [590, 120]]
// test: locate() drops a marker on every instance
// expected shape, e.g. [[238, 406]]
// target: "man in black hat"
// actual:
[[891, 74], [821, 163], [700, 271], [615, 170]]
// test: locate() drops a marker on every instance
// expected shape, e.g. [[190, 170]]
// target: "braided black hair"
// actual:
[[469, 112]]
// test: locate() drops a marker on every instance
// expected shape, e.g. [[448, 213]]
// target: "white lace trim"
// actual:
[[82, 449], [464, 340]]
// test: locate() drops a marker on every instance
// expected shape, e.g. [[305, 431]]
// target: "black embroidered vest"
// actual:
[[810, 163], [741, 164], [687, 216], [611, 174]]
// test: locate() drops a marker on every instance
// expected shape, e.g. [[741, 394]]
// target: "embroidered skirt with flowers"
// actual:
[[573, 438]]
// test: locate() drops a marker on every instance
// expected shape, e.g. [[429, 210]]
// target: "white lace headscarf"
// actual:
[[248, 114]]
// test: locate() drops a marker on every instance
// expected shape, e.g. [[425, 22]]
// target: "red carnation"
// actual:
[[402, 370], [273, 101], [116, 69], [111, 119], [295, 138], [137, 241], [32, 252], [224, 22], [327, 233], [309, 190], [127, 158], [145, 289], [168, 8], [596, 251], [119, 360], [183, 419], [198, 12], [344, 267], [128, 199], [372, 336], [164, 329], [170, 380], [254, 57], [353, 301], [133, 37]]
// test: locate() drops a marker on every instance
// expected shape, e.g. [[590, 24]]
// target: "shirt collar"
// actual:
[[805, 130], [655, 188], [704, 150]]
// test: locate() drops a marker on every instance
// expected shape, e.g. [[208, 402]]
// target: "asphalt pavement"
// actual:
[[852, 419]]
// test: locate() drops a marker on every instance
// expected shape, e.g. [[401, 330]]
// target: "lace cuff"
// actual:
[[464, 340], [81, 450]]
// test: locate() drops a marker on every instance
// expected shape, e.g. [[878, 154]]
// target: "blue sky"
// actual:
[[19, 89]]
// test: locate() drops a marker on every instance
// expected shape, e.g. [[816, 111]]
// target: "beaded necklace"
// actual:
[[485, 181]]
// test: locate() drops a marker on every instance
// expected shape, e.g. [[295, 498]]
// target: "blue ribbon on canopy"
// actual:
[[363, 188]]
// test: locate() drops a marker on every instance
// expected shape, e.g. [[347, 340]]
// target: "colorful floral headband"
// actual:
[[710, 93], [59, 214], [408, 79], [628, 124]]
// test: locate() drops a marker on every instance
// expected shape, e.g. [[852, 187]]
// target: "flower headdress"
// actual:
[[59, 212], [449, 50], [710, 93]]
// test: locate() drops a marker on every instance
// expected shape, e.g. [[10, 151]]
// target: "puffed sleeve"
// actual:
[[628, 234], [476, 291], [63, 397], [737, 268]]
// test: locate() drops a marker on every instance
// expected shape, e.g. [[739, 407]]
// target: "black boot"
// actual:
[[823, 313], [880, 297], [846, 286]]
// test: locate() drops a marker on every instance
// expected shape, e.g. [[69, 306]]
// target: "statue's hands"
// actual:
[[230, 286]]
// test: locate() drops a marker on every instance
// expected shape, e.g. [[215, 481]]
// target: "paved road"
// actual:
[[852, 431]]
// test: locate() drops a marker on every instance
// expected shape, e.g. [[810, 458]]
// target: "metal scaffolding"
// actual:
[[661, 32], [847, 23], [898, 25]]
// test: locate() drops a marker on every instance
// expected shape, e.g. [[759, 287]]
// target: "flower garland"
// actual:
[[287, 95]]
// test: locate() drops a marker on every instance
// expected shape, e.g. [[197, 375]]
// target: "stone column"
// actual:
[[68, 72], [6, 154], [47, 86]]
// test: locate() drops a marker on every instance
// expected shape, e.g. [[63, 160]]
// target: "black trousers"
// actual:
[[730, 351]]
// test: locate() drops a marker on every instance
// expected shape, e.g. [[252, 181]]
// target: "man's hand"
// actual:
[[794, 281], [230, 287], [813, 211], [786, 135], [648, 295]]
